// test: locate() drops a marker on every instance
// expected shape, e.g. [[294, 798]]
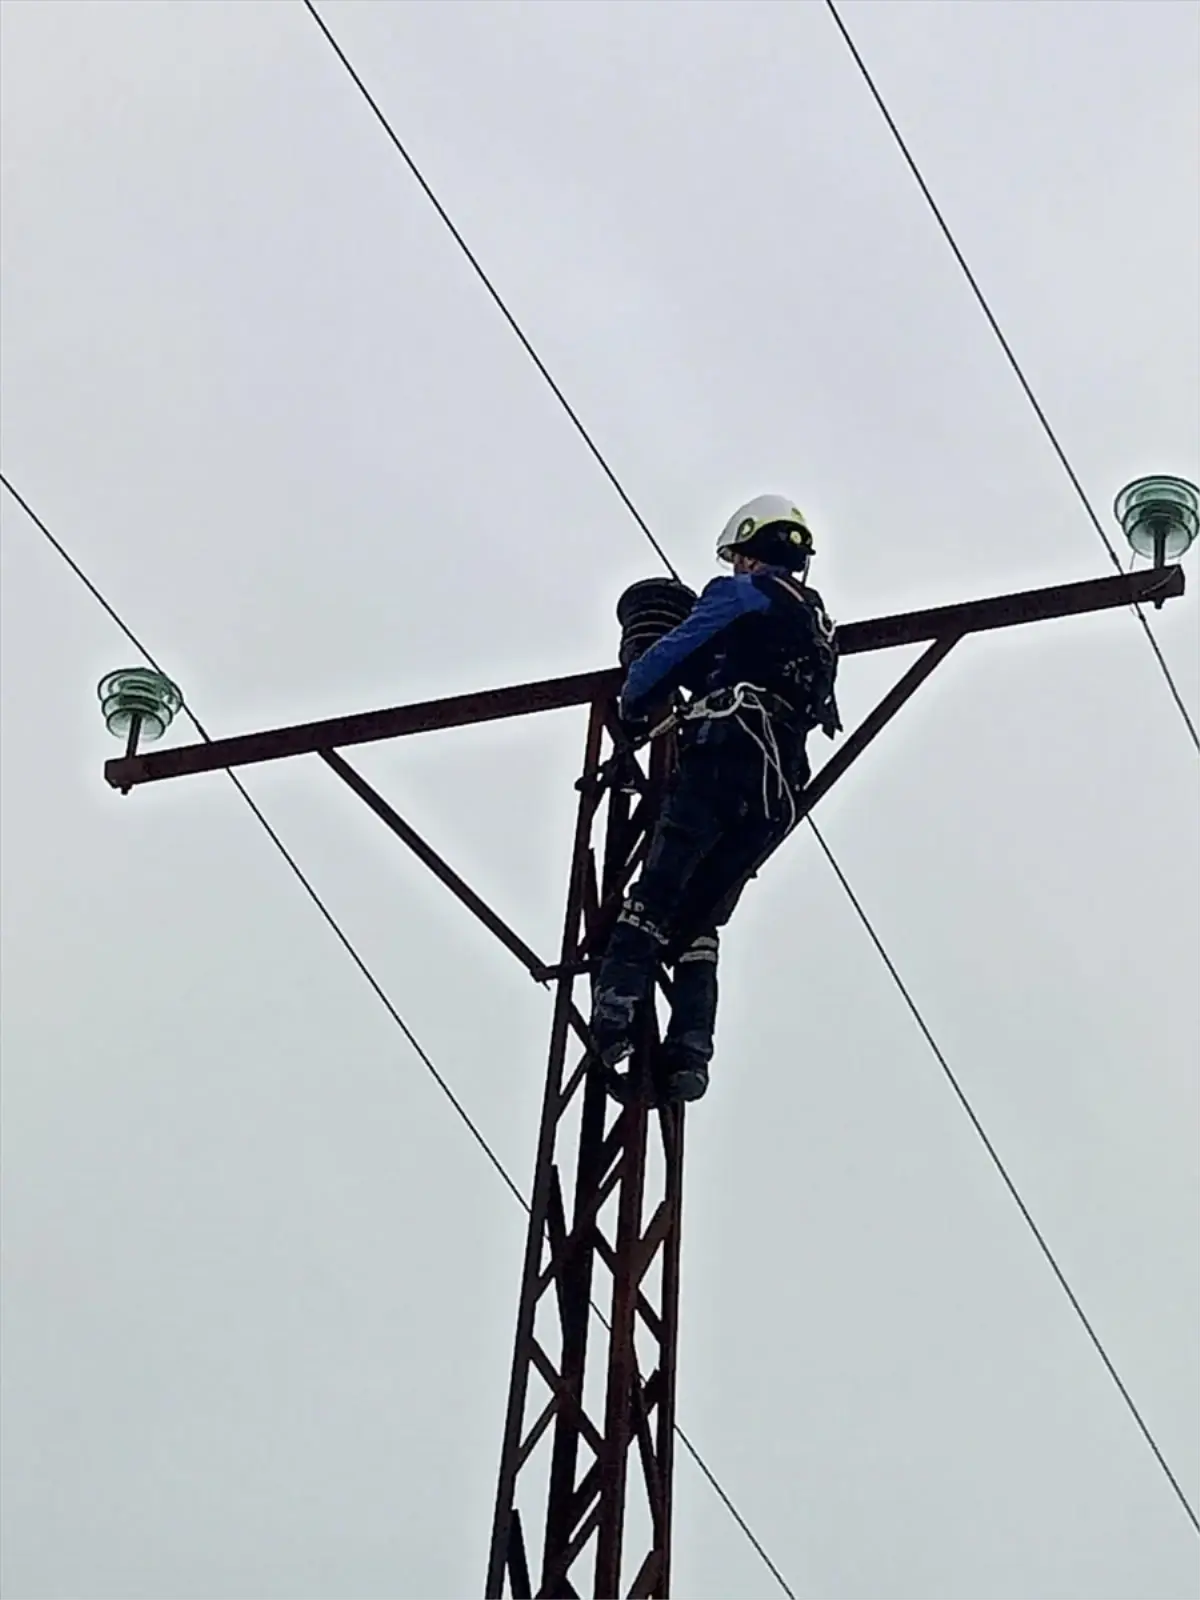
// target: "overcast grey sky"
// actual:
[[259, 1284]]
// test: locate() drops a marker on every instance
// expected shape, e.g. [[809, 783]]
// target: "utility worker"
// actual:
[[757, 652]]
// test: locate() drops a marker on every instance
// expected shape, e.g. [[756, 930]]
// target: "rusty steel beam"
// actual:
[[600, 917], [513, 1455], [856, 742], [1010, 610], [606, 1236], [462, 891], [878, 633], [441, 869], [847, 752], [365, 727]]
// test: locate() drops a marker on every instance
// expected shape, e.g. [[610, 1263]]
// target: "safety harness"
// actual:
[[743, 701]]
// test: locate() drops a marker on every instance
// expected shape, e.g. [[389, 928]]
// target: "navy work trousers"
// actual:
[[712, 829]]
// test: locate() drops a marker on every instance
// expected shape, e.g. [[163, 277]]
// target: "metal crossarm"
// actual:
[[878, 633]]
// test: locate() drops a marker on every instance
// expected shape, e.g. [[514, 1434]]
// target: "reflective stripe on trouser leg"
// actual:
[[635, 915], [694, 998]]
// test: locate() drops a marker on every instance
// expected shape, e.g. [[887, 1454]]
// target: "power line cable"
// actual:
[[981, 298], [489, 285], [346, 943], [299, 872], [1002, 1170], [833, 863]]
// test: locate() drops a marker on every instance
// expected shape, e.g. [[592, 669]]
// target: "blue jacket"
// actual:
[[763, 627]]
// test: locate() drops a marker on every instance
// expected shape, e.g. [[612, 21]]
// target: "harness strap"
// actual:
[[721, 703]]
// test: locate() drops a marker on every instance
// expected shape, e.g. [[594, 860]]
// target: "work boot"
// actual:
[[620, 990], [685, 1074], [618, 1085], [612, 1029], [621, 987]]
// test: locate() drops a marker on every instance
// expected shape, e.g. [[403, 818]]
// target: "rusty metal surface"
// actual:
[[853, 745], [878, 633], [514, 1459], [597, 1322], [847, 752], [441, 869], [365, 727], [1010, 610]]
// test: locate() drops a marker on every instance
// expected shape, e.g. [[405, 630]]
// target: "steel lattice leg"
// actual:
[[585, 1400]]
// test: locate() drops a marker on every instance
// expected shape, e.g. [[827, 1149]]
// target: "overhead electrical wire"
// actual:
[[299, 872], [491, 289], [891, 967], [1003, 1171], [380, 993], [1026, 386]]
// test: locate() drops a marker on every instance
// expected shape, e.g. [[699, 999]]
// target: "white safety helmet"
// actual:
[[771, 528]]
